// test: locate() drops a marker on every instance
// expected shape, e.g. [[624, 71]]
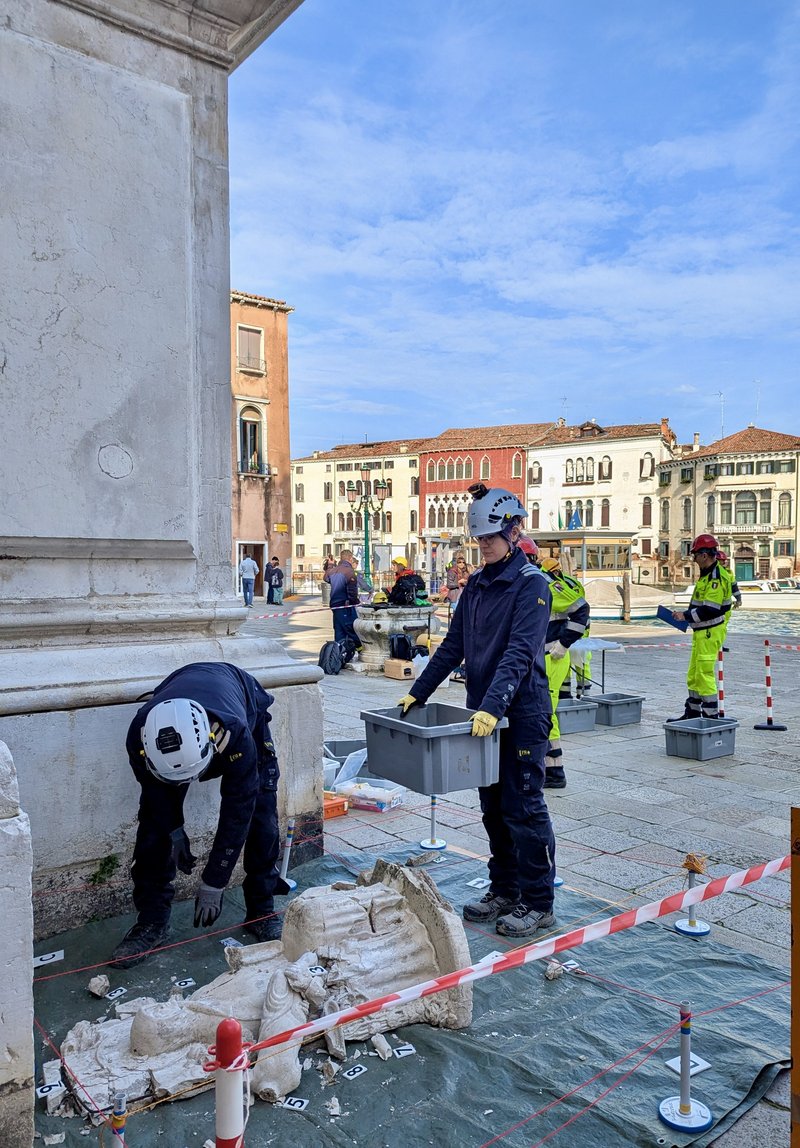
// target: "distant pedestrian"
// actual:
[[248, 572], [408, 585], [274, 581], [344, 597], [457, 577]]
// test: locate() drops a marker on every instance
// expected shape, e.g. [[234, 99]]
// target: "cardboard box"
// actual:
[[397, 668]]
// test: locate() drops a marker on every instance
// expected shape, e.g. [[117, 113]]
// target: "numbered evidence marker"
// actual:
[[404, 1050], [48, 958], [232, 942], [356, 1070], [52, 1095], [186, 983], [296, 1103], [317, 970], [115, 994], [479, 883]]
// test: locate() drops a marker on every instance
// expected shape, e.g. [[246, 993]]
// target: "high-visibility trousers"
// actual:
[[557, 670], [701, 678]]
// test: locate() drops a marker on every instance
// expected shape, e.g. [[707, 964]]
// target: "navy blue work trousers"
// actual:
[[516, 818], [343, 618], [154, 868]]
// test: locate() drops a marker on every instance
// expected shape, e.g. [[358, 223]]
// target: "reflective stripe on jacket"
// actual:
[[712, 599], [569, 613]]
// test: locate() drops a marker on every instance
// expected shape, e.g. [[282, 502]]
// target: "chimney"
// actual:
[[665, 427], [695, 442]]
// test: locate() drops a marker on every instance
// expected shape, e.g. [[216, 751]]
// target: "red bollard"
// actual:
[[230, 1062], [769, 723], [720, 685]]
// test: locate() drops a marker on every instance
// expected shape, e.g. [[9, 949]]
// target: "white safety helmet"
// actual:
[[493, 511], [177, 740]]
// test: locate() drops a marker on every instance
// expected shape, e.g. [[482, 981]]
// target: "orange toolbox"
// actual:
[[334, 805]]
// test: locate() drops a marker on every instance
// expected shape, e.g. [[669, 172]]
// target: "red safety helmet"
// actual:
[[528, 546], [704, 542], [722, 556]]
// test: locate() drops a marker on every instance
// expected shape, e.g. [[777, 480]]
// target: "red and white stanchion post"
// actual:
[[720, 684], [230, 1064], [681, 1112], [769, 723]]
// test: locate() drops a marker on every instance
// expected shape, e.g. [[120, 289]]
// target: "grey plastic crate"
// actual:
[[341, 748], [576, 716], [431, 749], [618, 709], [701, 738]]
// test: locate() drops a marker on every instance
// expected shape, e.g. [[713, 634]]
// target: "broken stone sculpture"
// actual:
[[342, 944]]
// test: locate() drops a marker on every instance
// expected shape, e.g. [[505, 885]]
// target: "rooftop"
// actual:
[[260, 301]]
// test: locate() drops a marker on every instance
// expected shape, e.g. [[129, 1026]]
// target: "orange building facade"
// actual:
[[261, 495]]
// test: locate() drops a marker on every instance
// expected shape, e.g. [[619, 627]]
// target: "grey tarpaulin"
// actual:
[[531, 1040]]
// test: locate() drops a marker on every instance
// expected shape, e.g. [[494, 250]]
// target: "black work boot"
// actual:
[[554, 777], [524, 922], [266, 928], [137, 945], [489, 908]]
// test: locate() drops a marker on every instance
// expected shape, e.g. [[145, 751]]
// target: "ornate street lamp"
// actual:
[[362, 503]]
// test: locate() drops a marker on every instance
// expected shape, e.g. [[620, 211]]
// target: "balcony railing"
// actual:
[[256, 470], [747, 528], [249, 363]]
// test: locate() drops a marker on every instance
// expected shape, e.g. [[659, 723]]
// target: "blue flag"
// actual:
[[574, 522]]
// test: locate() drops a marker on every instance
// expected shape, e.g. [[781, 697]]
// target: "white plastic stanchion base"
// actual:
[[434, 843], [687, 929], [697, 1119]]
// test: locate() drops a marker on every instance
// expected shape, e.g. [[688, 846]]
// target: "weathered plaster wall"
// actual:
[[16, 961]]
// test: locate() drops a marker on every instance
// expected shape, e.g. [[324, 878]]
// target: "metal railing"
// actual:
[[249, 363]]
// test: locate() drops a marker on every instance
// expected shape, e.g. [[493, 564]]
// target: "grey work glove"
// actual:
[[557, 651], [181, 850], [207, 905]]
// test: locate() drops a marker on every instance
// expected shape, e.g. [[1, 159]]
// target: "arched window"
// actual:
[[459, 468], [412, 521], [340, 520], [415, 484], [460, 518], [605, 468], [388, 526], [534, 516], [299, 492], [451, 517], [441, 472], [388, 482], [590, 470], [710, 507], [431, 517], [534, 474], [441, 517], [376, 520], [516, 466], [745, 507], [329, 524], [468, 468], [299, 524], [687, 514], [359, 487], [569, 471], [589, 519], [647, 512], [579, 471], [664, 514], [431, 471], [251, 444], [568, 510], [486, 467], [605, 512], [785, 510], [342, 489], [359, 522], [451, 470], [368, 487], [327, 491], [647, 465], [579, 510], [349, 523]]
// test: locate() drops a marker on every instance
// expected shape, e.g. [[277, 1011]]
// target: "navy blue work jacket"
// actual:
[[499, 631], [241, 705]]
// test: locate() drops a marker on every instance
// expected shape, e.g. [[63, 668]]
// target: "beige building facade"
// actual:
[[324, 521], [744, 490], [261, 491]]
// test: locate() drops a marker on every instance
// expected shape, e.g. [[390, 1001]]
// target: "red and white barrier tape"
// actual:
[[720, 684], [533, 952], [656, 645]]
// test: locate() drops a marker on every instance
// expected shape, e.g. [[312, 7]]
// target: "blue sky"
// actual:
[[495, 213]]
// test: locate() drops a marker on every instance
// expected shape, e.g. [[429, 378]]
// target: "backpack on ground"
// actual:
[[330, 658], [400, 646]]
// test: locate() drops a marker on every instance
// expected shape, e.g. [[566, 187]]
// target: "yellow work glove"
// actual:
[[483, 723], [407, 702]]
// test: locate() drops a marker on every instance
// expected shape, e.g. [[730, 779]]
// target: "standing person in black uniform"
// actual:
[[206, 720], [499, 630]]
